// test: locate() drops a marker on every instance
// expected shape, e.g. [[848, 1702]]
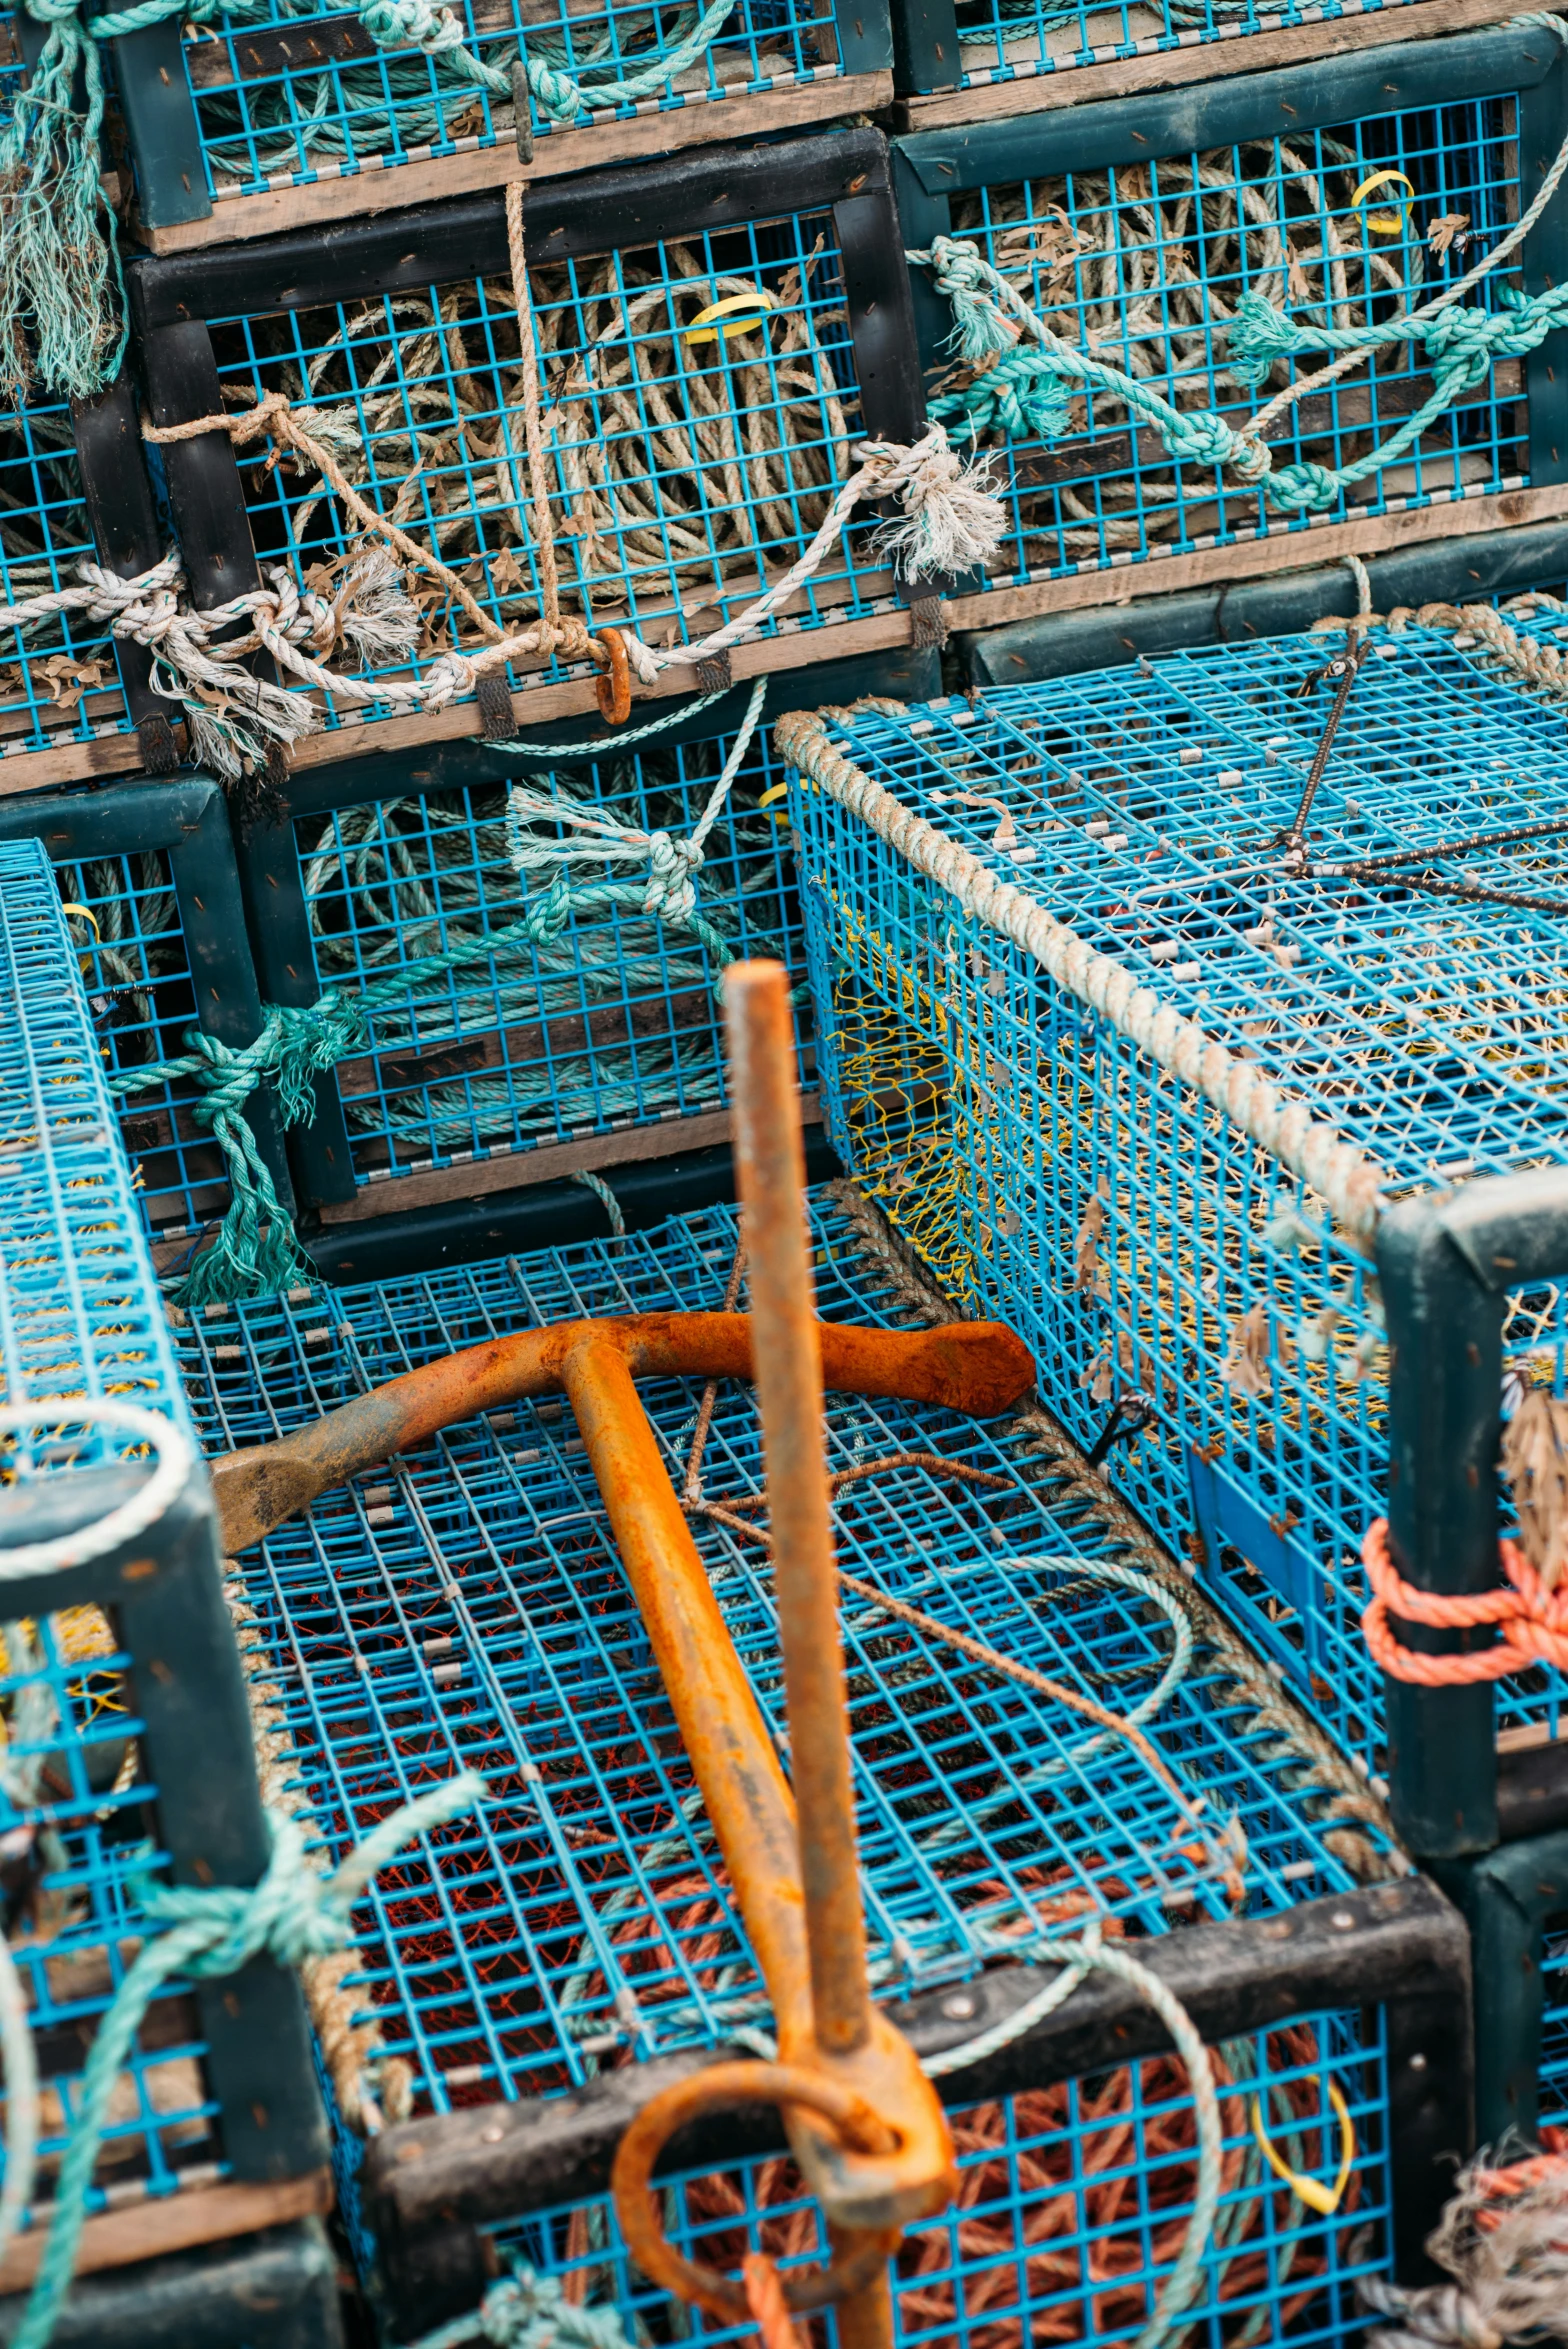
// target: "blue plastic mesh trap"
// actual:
[[79, 1315], [465, 1607], [1553, 2074], [612, 1023], [135, 961], [1071, 2208], [157, 938], [278, 101], [686, 474], [1017, 40], [59, 681], [1142, 265], [1133, 1235]]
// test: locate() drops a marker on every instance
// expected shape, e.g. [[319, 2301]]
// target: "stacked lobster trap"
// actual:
[[127, 1765], [544, 1969], [1199, 1019], [1316, 335], [435, 464]]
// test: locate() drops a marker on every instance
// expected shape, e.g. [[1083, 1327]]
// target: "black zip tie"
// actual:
[[1131, 1413], [1345, 666]]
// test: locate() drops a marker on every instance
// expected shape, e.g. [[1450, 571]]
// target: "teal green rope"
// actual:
[[291, 1915], [529, 2311], [256, 1252], [1027, 387], [60, 281]]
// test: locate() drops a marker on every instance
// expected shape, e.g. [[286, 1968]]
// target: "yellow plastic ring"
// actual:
[[1325, 2200], [1385, 224], [701, 330]]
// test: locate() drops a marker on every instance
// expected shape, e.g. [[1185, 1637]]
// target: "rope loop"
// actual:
[[174, 1460], [1532, 1621]]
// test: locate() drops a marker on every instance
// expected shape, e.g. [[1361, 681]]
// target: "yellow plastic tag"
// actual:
[[1323, 2199], [756, 305], [1385, 224], [87, 915]]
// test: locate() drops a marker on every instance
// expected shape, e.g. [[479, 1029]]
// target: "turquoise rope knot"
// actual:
[[1257, 337], [1022, 395], [530, 2311], [670, 894], [210, 1932], [404, 24], [1008, 395]]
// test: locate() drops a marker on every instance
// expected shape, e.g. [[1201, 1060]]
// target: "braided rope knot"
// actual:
[[1531, 1620], [1207, 439], [399, 24], [1307, 488], [953, 520], [671, 890]]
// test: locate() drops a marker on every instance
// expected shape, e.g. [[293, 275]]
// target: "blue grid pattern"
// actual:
[[465, 1608], [1554, 2047], [267, 121], [1132, 1236], [1018, 40], [1070, 2210], [1144, 266], [684, 476], [59, 681], [614, 1023], [134, 960], [79, 1315]]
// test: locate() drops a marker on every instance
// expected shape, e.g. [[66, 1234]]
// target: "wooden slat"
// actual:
[[1292, 550], [1209, 61], [392, 188], [173, 2222], [541, 705], [524, 1168]]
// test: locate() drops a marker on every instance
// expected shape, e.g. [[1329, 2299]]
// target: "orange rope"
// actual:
[[765, 2298], [1532, 1621]]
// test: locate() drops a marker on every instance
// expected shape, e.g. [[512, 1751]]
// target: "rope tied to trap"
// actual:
[[1026, 376], [60, 275], [950, 522], [1503, 2238], [1529, 1609], [256, 1252], [206, 1933]]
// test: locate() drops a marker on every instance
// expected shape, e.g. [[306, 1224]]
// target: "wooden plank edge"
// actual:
[[524, 1169], [1294, 550], [715, 122], [1075, 85], [72, 762], [173, 2222], [542, 705]]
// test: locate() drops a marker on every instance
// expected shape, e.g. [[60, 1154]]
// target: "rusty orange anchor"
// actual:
[[863, 2121]]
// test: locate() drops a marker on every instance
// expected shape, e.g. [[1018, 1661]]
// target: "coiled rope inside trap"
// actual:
[[765, 465], [1022, 369], [60, 282], [255, 1251]]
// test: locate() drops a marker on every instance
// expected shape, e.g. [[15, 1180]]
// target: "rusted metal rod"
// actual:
[[770, 1168]]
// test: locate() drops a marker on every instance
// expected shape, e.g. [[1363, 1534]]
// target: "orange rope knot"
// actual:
[[1532, 1621]]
